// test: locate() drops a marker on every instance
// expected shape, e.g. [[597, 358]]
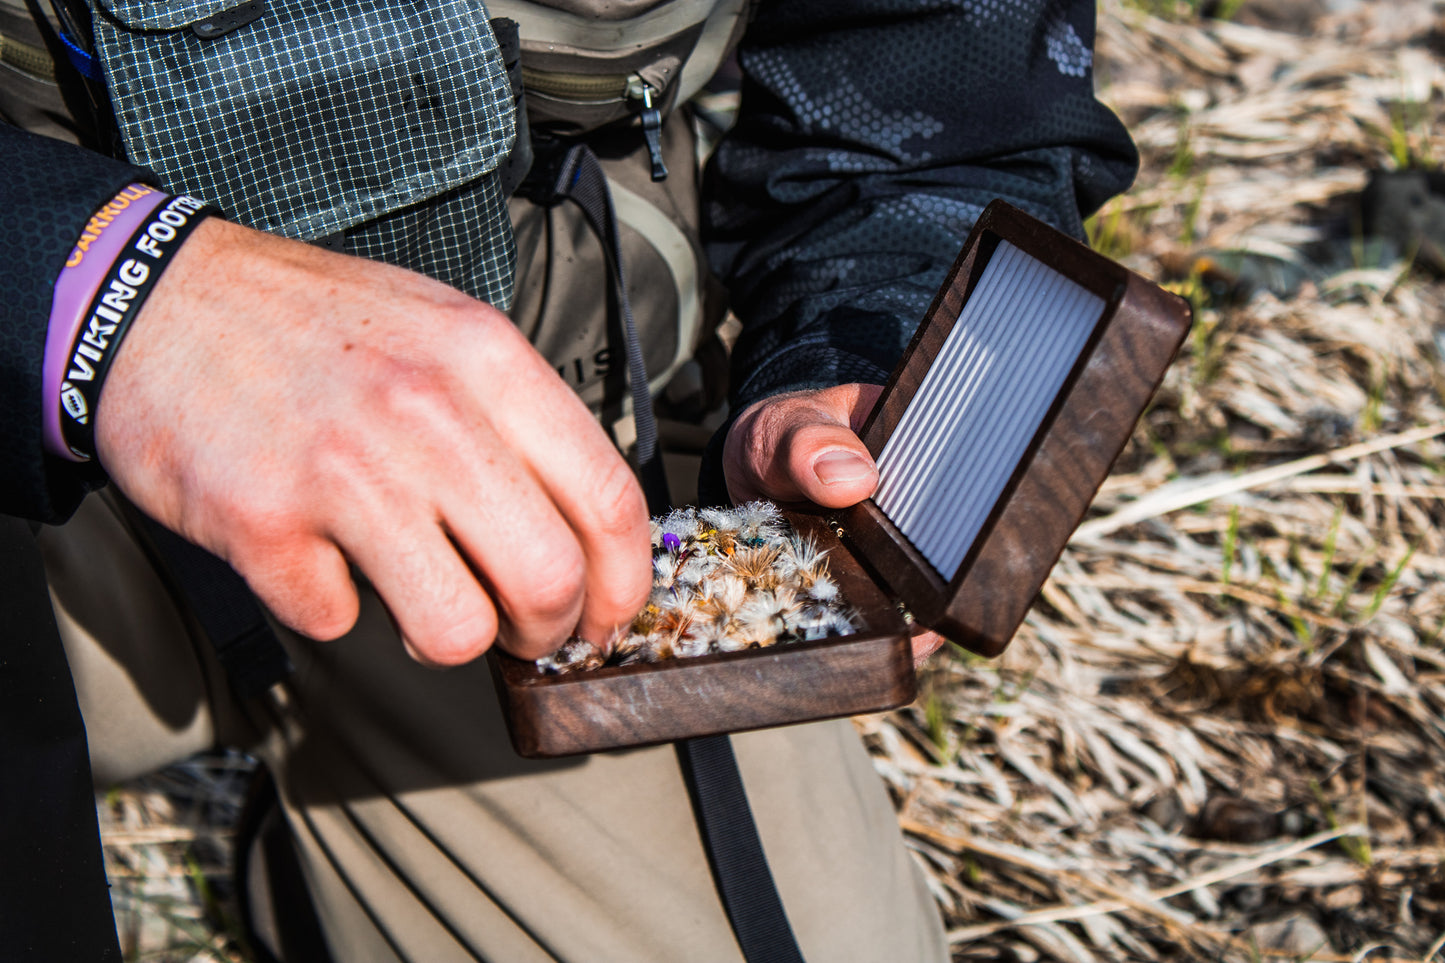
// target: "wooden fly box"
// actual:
[[992, 436]]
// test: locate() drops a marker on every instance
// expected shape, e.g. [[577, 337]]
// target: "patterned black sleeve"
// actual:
[[47, 196], [872, 134]]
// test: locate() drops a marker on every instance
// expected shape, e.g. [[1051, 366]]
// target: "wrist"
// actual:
[[101, 289], [100, 243]]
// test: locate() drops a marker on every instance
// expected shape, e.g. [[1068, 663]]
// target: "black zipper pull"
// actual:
[[638, 88]]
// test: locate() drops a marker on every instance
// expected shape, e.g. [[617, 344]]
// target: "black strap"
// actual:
[[735, 852], [54, 904], [245, 644], [582, 180], [264, 844]]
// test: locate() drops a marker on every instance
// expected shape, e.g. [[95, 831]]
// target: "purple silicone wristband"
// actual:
[[95, 252]]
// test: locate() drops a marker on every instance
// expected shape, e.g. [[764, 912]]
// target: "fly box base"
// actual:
[[1019, 390], [614, 707]]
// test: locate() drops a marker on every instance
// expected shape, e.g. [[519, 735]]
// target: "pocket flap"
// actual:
[[317, 116], [165, 14]]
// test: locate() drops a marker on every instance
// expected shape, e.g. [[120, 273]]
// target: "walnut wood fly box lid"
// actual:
[[992, 436]]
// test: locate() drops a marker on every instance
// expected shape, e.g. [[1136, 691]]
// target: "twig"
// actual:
[[1182, 929], [1061, 913], [1339, 485], [157, 835], [1321, 957], [1197, 587], [1174, 497], [1365, 951]]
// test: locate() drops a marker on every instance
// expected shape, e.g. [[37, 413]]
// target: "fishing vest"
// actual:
[[386, 130]]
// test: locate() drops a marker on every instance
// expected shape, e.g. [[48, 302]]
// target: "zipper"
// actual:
[[579, 88], [651, 123], [631, 89]]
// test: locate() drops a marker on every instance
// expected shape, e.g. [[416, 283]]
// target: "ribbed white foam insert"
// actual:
[[981, 402]]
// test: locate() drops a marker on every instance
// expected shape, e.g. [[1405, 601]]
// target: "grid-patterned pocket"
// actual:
[[319, 114]]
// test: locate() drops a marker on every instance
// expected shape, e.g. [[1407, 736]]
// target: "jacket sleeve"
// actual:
[[872, 134], [48, 194]]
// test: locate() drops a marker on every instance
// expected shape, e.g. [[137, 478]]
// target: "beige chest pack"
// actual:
[[596, 69]]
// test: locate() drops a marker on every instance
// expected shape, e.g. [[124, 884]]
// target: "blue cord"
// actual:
[[88, 64]]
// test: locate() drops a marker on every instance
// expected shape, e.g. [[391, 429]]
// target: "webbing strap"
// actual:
[[581, 179], [735, 852], [719, 800]]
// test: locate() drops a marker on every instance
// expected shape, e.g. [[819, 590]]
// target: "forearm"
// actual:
[[869, 141], [50, 191]]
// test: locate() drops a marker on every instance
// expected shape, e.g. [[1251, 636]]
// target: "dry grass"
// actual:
[[1225, 720], [167, 840], [1227, 713]]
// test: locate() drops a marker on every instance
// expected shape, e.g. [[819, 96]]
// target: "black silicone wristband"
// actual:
[[117, 301]]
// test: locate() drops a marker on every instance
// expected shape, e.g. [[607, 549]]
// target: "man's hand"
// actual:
[[295, 411], [804, 446]]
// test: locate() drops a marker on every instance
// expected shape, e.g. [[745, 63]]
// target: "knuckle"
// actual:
[[761, 435], [460, 642], [622, 602], [415, 393], [620, 507], [626, 602], [300, 592], [478, 335], [450, 624], [555, 587], [326, 617], [343, 468], [260, 527]]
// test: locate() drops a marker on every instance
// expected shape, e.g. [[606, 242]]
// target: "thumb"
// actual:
[[803, 447], [829, 466]]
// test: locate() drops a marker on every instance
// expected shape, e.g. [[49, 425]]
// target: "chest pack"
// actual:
[[621, 75]]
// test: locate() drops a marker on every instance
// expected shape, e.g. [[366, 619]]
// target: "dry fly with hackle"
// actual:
[[723, 580]]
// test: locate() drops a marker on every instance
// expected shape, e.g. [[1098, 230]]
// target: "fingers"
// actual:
[[594, 491], [539, 530], [616, 542], [523, 577], [493, 554], [803, 447], [925, 643], [527, 557], [442, 613], [305, 583]]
